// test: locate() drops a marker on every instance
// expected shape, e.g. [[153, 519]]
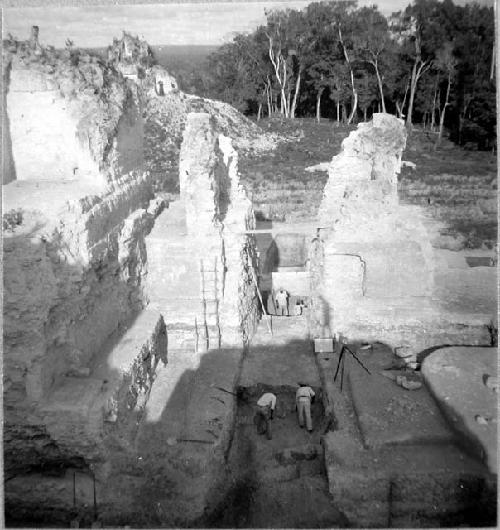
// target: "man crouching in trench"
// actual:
[[264, 414]]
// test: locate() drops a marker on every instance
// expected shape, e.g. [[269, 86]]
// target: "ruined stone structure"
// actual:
[[74, 262], [377, 264], [68, 122], [206, 240], [128, 311], [96, 307]]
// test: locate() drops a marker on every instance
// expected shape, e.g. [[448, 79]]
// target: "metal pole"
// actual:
[[359, 362]]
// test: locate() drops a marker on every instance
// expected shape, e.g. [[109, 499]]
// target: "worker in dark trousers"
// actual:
[[264, 414]]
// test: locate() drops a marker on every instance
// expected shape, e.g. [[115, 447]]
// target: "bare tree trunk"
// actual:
[[443, 112], [400, 107], [295, 96], [259, 112], [280, 69], [380, 88], [413, 87], [268, 91], [416, 73], [338, 112], [494, 52], [364, 114], [318, 105], [288, 102], [353, 87]]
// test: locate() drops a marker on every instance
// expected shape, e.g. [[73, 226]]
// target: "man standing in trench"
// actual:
[[303, 398], [264, 413], [282, 302]]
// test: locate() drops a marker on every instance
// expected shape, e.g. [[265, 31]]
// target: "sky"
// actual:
[[189, 23]]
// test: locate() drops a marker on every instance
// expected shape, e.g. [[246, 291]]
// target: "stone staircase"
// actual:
[[181, 286]]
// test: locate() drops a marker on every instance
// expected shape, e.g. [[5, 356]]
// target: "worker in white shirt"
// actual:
[[265, 412], [303, 398], [282, 302]]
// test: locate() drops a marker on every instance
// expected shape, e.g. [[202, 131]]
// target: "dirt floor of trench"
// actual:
[[281, 482], [278, 483], [395, 468]]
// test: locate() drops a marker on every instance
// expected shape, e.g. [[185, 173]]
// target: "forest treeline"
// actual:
[[432, 63]]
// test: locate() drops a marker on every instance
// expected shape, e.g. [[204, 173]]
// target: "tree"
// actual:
[[367, 91], [375, 44], [322, 58], [420, 34], [276, 36], [430, 63], [446, 63]]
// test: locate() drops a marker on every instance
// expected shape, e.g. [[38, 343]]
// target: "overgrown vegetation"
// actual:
[[431, 63], [455, 186]]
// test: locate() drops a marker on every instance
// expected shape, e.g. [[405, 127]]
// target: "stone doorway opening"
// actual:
[[284, 264]]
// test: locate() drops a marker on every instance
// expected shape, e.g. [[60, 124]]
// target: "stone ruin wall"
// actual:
[[374, 276], [217, 215], [74, 278], [68, 121]]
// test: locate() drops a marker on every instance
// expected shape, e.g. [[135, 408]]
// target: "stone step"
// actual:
[[75, 409]]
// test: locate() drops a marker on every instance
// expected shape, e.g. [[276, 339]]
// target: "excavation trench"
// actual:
[[279, 482]]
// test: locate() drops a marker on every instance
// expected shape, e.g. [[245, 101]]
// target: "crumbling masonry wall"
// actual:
[[93, 260], [70, 117], [218, 213], [75, 219], [377, 262]]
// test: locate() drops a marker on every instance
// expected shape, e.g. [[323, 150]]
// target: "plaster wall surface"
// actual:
[[44, 138], [296, 283]]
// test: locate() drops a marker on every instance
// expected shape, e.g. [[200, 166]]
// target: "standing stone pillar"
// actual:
[[218, 213], [199, 174], [377, 274]]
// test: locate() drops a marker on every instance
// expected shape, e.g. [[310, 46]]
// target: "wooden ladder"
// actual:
[[210, 301]]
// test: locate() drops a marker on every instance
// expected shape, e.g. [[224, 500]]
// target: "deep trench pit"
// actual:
[[279, 482]]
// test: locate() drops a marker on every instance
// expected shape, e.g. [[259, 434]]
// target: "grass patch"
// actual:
[[455, 186]]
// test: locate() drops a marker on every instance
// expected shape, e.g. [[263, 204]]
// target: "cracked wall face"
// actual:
[[75, 220], [378, 263], [218, 213]]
